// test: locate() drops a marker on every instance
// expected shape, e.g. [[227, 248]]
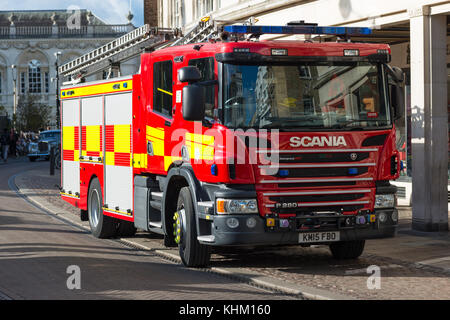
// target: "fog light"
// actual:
[[251, 223], [383, 217], [394, 216], [232, 223]]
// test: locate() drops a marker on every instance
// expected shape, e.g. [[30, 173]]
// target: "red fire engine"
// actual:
[[223, 139]]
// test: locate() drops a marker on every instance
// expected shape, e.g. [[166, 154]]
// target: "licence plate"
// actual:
[[313, 237]]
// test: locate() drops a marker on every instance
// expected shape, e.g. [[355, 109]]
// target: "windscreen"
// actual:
[[338, 96]]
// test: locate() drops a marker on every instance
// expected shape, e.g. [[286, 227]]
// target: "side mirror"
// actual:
[[194, 104], [189, 74], [398, 74], [397, 100]]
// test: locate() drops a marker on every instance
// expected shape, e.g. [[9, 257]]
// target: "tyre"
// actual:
[[101, 226], [347, 249], [192, 252], [126, 229], [32, 159]]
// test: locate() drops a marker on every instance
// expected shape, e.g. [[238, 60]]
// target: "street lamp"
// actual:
[[14, 75], [57, 55]]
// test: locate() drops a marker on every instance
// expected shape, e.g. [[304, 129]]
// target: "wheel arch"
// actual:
[[177, 178]]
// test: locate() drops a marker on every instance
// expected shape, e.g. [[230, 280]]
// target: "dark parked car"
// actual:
[[41, 149]]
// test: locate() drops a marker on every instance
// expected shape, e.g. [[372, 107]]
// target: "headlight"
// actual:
[[384, 201], [233, 206], [33, 147]]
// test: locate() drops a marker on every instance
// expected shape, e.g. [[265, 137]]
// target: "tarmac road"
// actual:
[[413, 265], [36, 250]]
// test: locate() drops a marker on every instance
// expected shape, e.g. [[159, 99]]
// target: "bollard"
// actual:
[[52, 161]]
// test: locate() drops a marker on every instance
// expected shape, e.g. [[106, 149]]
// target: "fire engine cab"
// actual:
[[223, 139]]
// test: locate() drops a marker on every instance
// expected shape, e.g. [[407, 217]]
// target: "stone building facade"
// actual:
[[32, 42]]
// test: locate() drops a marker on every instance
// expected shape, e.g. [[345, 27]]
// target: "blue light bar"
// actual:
[[298, 30]]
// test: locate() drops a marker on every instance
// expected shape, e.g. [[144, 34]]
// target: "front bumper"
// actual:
[[36, 155], [261, 234]]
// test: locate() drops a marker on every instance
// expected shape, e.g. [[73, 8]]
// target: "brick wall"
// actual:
[[151, 12]]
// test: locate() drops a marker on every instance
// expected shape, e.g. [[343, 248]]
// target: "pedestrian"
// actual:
[[13, 143], [5, 141]]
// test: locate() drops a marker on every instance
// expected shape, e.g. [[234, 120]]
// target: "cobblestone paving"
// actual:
[[313, 267]]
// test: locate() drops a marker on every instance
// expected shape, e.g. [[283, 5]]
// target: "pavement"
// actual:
[[413, 265]]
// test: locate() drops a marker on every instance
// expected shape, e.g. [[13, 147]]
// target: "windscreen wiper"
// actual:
[[346, 123]]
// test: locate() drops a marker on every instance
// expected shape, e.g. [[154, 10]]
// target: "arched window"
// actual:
[[34, 76]]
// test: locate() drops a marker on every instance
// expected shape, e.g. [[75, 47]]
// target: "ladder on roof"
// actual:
[[119, 50], [131, 45]]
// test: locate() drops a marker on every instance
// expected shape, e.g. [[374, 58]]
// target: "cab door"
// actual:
[[160, 117]]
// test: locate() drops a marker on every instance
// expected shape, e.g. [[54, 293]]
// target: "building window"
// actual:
[[47, 82], [162, 87], [204, 7], [22, 83], [1, 75], [34, 77]]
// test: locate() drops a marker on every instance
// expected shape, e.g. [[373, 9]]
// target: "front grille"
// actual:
[[43, 146], [320, 157], [316, 184], [306, 211], [318, 198]]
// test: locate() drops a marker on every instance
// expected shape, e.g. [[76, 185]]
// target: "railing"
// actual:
[[33, 31], [4, 32], [93, 31]]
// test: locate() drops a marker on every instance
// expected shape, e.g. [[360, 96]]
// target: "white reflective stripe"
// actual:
[[314, 192], [316, 180], [316, 150], [321, 204], [328, 165]]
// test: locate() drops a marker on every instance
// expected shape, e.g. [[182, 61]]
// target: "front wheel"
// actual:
[[192, 252], [101, 226], [347, 249]]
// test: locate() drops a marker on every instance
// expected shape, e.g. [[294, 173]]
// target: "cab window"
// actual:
[[206, 67], [162, 87]]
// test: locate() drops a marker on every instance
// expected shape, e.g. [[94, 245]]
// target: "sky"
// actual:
[[110, 11]]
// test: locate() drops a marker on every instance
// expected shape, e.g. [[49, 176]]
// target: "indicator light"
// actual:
[[270, 222], [214, 170]]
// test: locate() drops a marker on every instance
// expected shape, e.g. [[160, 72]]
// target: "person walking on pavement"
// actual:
[[13, 143], [5, 141]]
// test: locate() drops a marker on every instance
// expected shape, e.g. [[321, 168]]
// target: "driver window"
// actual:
[[206, 67]]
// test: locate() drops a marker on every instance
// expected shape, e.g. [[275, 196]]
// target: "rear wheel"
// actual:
[[101, 226], [192, 252], [32, 159], [347, 249]]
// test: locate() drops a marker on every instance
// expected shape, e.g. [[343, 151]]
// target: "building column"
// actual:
[[429, 122]]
